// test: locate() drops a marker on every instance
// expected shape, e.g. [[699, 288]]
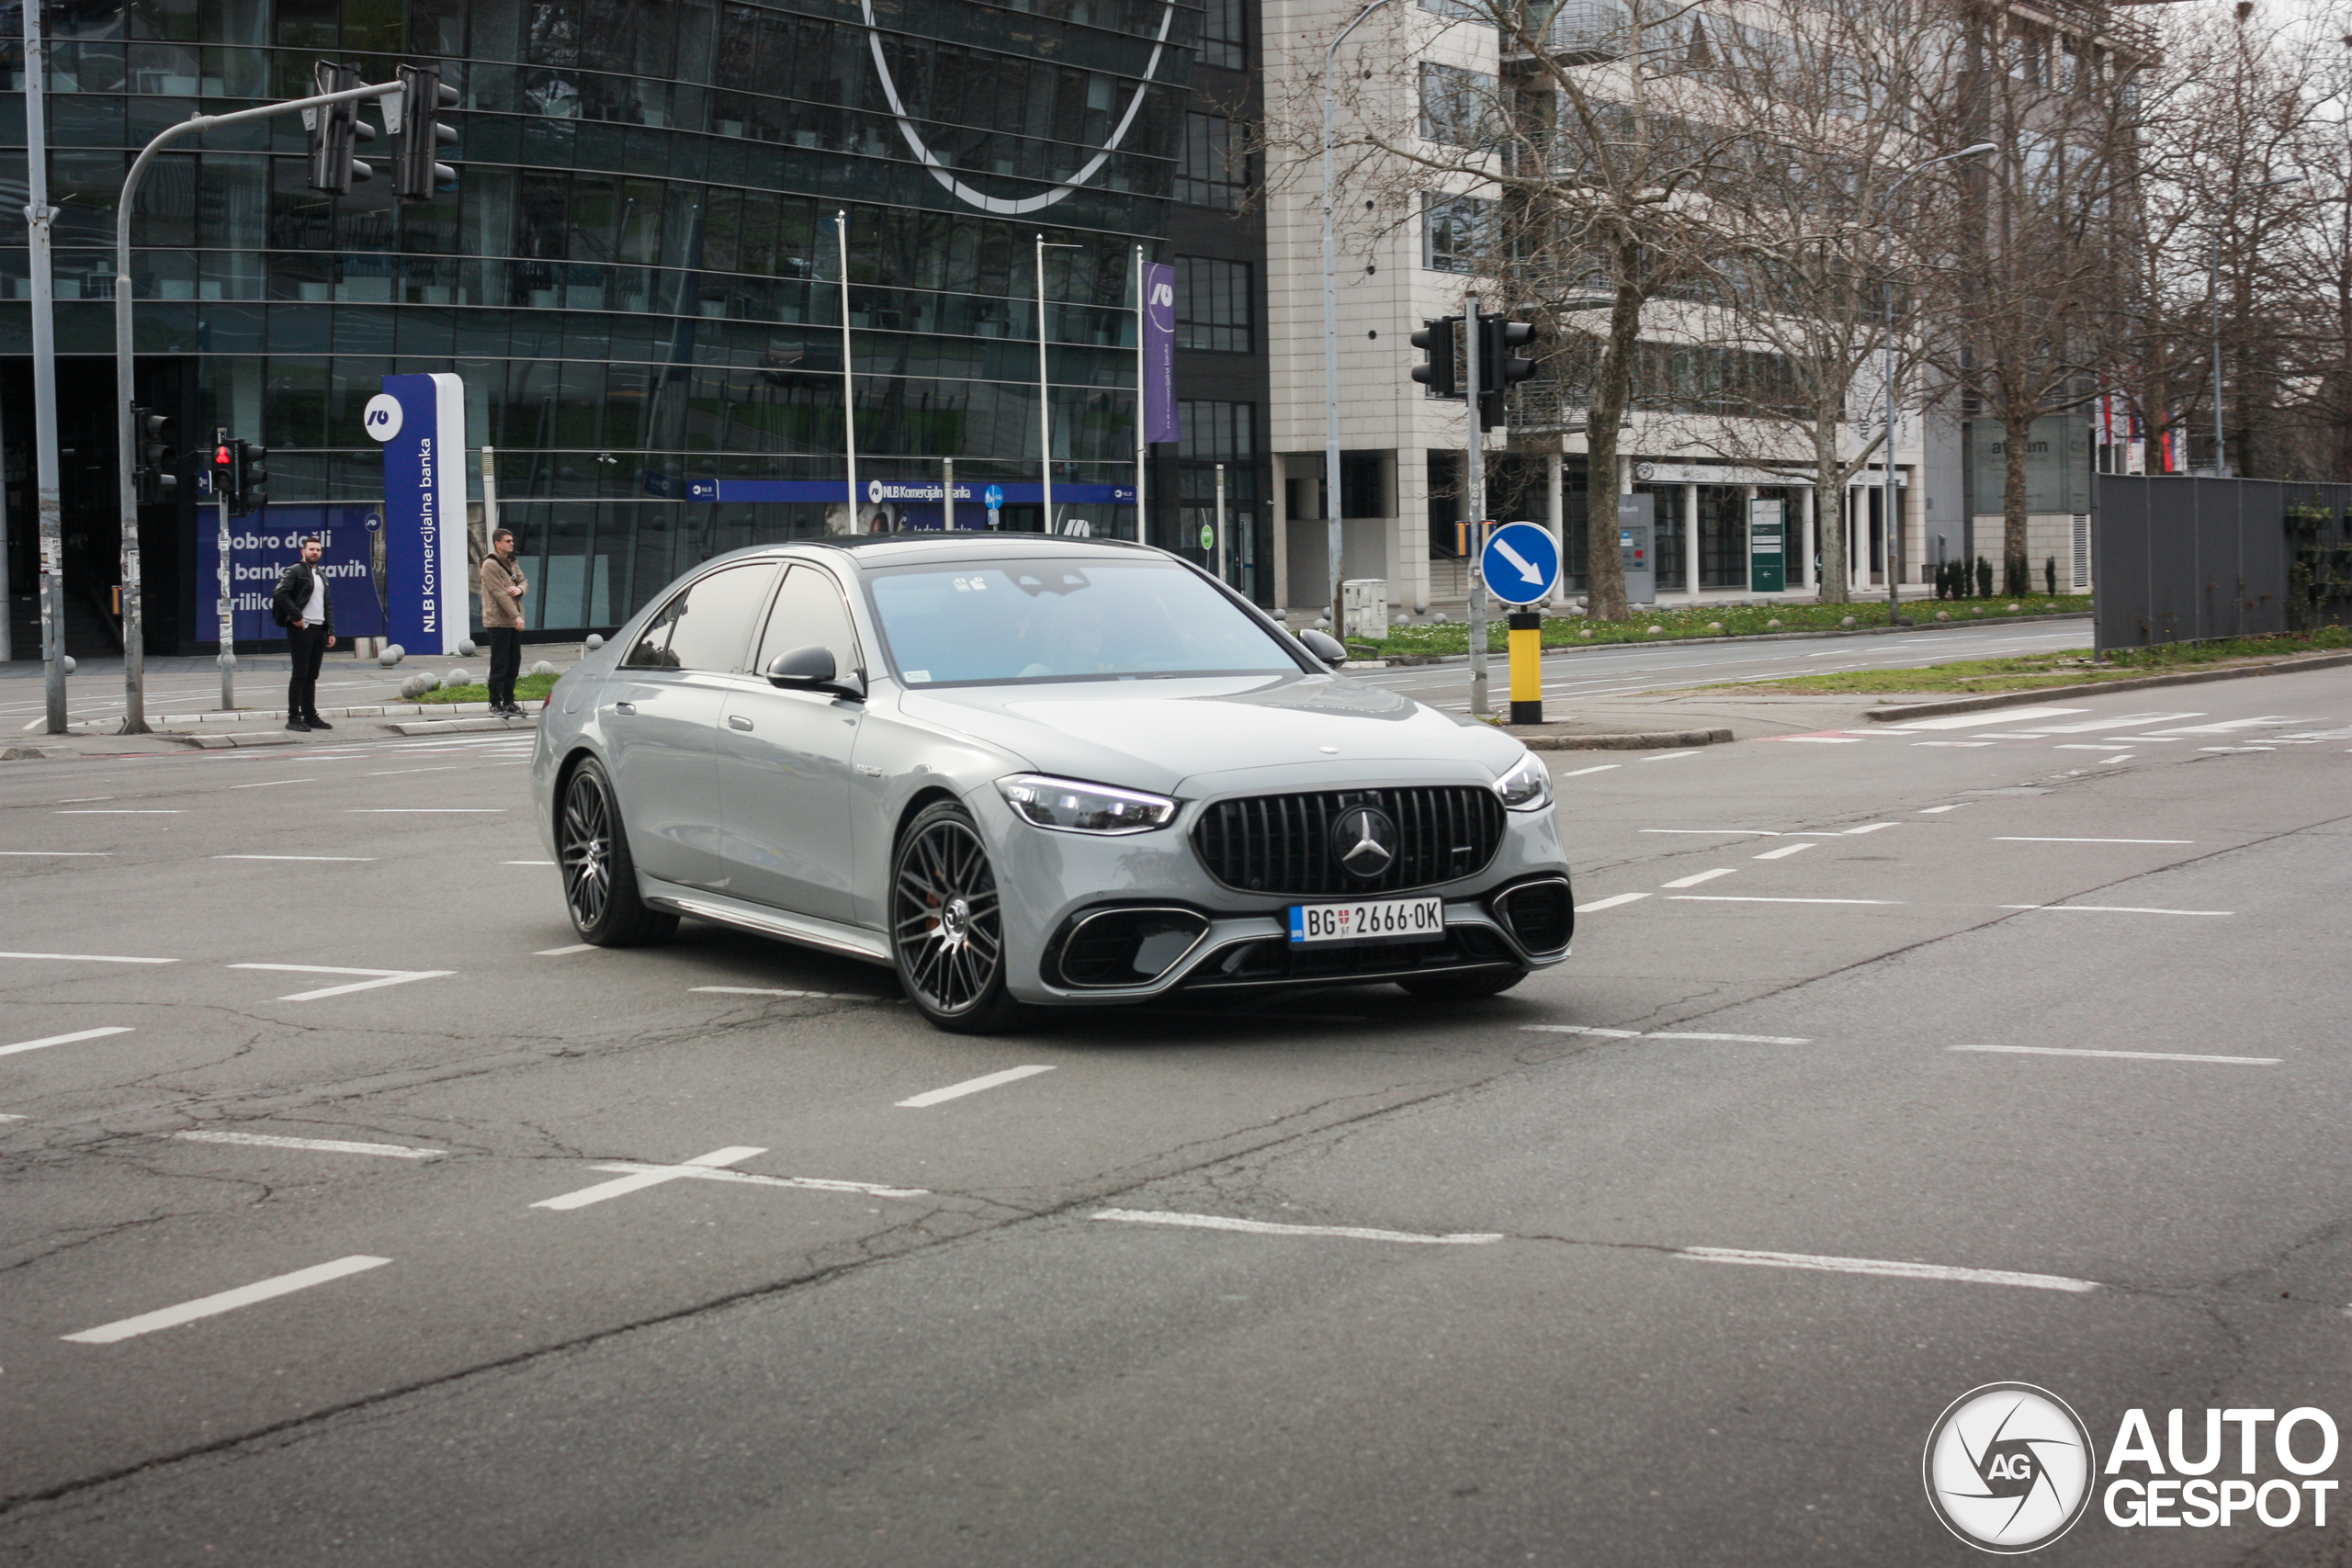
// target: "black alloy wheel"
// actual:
[[599, 878], [947, 926]]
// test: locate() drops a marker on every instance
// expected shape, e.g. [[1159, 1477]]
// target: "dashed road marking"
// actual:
[[636, 1178], [129, 811], [1694, 880], [767, 991], [63, 1039], [1601, 768], [1661, 1034], [89, 958], [2115, 910], [1735, 898], [64, 854], [972, 1085], [560, 952], [272, 784], [1892, 1270], [1669, 756], [1784, 851], [1608, 903], [2022, 839], [383, 977], [320, 1146], [1267, 1227], [426, 811], [2124, 1055], [227, 1300], [354, 858]]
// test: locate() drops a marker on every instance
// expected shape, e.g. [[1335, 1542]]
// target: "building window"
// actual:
[[1457, 105], [1363, 484], [1453, 231], [1214, 169], [1224, 38], [1212, 305], [1218, 432]]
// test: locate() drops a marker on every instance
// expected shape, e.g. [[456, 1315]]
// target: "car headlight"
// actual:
[[1528, 786], [1067, 805]]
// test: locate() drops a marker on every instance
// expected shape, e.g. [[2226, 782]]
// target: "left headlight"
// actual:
[[1528, 786], [1069, 807]]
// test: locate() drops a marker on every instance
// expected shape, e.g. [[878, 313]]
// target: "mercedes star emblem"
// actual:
[[1365, 840]]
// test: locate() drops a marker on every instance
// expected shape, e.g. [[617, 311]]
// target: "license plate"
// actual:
[[1385, 919]]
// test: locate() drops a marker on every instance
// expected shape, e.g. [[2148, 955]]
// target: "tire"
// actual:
[[1462, 987], [599, 877], [946, 928]]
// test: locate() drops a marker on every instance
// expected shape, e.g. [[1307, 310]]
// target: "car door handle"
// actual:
[[624, 707], [737, 721]]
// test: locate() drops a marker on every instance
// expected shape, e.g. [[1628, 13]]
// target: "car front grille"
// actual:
[[1281, 843]]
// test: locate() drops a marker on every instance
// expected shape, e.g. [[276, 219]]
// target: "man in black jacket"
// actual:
[[303, 607]]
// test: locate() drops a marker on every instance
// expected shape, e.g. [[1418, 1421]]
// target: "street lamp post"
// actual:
[[1890, 522], [2213, 294], [1334, 539], [848, 370]]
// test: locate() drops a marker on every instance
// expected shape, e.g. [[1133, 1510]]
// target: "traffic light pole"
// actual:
[[39, 215], [1474, 487], [134, 667]]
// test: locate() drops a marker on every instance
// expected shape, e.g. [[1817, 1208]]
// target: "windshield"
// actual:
[[1080, 620]]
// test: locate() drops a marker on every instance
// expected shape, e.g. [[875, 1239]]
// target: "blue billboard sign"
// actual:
[[261, 546]]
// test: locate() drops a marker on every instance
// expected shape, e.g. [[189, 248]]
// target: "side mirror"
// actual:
[[1325, 646], [811, 669]]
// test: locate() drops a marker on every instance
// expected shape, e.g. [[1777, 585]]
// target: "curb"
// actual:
[[239, 737], [2135, 683], [31, 753], [1651, 740], [1402, 660], [456, 726]]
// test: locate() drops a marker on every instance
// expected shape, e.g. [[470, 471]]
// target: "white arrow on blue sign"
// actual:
[[1521, 563], [993, 498]]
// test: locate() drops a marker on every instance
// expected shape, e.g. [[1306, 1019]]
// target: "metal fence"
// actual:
[[2180, 559]]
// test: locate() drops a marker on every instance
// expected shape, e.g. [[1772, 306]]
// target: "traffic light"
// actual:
[[252, 477], [152, 479], [417, 137], [224, 473], [1439, 375], [1499, 368], [333, 130]]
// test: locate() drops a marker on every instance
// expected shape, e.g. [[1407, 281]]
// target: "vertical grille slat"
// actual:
[[1281, 843]]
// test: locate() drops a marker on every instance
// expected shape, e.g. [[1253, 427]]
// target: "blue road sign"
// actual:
[[1521, 563], [993, 498]]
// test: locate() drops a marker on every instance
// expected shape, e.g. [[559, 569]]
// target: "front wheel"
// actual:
[[1461, 985], [947, 926], [599, 877]]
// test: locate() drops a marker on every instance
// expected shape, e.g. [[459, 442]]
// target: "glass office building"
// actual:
[[635, 272]]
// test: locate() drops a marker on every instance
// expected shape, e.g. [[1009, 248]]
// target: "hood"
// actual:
[[1161, 735]]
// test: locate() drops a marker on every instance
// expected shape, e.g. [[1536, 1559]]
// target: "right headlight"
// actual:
[[1528, 785], [1069, 806]]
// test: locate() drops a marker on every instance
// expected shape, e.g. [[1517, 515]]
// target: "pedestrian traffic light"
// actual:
[[1499, 368], [152, 479], [1439, 375], [334, 128], [224, 472], [417, 137], [252, 477]]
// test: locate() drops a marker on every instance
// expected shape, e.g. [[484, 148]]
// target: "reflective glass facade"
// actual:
[[636, 270]]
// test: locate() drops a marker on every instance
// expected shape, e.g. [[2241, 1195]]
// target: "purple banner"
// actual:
[[1159, 353]]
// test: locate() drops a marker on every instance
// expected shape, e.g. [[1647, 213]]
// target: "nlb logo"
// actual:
[[1163, 293], [2009, 1467], [381, 418]]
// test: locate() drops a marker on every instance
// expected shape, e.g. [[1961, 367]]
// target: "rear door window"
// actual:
[[709, 626]]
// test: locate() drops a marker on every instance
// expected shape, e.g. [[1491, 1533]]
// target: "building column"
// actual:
[[1747, 537], [1409, 490], [1801, 568], [1281, 563], [1857, 537], [1690, 542], [1557, 521]]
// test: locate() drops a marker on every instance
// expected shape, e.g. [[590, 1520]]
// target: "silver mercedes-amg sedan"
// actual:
[[1028, 772]]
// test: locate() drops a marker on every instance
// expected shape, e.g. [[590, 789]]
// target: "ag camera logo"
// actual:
[[2010, 1466]]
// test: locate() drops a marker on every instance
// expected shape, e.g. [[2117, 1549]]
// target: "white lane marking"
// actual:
[[2139, 720], [75, 854], [1746, 832], [1662, 1034], [1870, 828], [89, 958], [2226, 726], [1951, 743], [426, 811], [1784, 851], [1931, 810], [272, 784], [227, 1300], [63, 1039], [766, 991], [322, 1145], [971, 1085], [84, 799], [1267, 1227], [1971, 720], [12, 1118], [1822, 740], [1694, 880], [643, 1176], [1735, 898], [396, 773], [2022, 839], [1581, 772], [1740, 1039], [1880, 1266], [2116, 910], [526, 862], [383, 977], [2124, 1055], [560, 952], [1669, 756], [2235, 748], [360, 858], [127, 811], [2095, 746], [1608, 903], [2124, 757]]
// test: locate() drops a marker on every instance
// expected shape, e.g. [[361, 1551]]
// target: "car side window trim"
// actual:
[[848, 619]]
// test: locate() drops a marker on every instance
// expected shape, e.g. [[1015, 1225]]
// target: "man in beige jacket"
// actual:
[[502, 618]]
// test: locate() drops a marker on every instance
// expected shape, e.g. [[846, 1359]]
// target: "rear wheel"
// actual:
[[1463, 986], [599, 878], [947, 927]]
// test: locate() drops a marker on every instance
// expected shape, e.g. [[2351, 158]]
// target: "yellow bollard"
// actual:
[[1526, 667]]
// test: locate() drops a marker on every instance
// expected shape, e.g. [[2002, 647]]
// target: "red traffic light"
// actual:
[[221, 457]]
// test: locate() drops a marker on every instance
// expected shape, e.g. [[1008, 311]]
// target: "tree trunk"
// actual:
[[1829, 511], [1611, 391], [2017, 436]]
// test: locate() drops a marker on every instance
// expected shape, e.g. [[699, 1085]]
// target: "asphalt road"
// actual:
[[1889, 1063]]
